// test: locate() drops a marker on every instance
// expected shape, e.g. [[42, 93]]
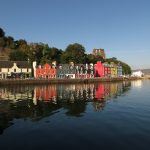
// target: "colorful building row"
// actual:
[[72, 70], [107, 70], [22, 69]]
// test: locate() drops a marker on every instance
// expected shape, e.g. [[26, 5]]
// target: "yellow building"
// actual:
[[114, 71]]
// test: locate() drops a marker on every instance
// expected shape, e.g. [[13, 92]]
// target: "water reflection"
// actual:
[[37, 102], [137, 83]]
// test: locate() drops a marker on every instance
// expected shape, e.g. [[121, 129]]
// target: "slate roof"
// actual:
[[9, 64]]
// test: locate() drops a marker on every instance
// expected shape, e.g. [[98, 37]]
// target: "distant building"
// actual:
[[137, 74], [99, 52]]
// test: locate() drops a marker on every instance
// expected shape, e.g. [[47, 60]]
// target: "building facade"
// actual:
[[46, 71], [84, 70], [15, 69], [66, 71], [113, 68], [99, 69], [107, 70], [119, 70]]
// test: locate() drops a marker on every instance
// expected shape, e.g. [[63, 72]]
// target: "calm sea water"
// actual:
[[76, 116]]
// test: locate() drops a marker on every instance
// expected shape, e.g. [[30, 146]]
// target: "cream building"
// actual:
[[15, 69]]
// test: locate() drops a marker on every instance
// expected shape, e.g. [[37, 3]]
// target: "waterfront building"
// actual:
[[107, 69], [46, 71], [137, 74], [66, 71], [15, 69], [90, 70], [119, 70], [113, 68], [84, 70], [99, 69]]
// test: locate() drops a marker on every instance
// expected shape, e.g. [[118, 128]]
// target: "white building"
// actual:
[[137, 74], [15, 69]]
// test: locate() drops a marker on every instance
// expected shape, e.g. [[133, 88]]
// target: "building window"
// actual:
[[14, 70], [27, 70]]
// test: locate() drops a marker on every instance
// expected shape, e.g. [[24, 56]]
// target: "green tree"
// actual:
[[90, 58], [10, 42], [2, 42], [55, 54], [2, 33], [45, 49], [35, 52], [21, 45], [75, 53], [17, 55]]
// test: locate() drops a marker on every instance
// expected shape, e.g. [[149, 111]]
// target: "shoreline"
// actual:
[[63, 81]]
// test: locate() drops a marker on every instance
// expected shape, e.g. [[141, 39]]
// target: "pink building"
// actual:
[[99, 69]]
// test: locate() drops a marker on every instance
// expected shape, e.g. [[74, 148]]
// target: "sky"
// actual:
[[121, 27]]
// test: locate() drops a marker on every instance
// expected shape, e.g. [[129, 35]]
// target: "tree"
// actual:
[[21, 44], [55, 54], [90, 58], [35, 52], [2, 33], [126, 68], [17, 55], [10, 42], [75, 53], [45, 49], [2, 42]]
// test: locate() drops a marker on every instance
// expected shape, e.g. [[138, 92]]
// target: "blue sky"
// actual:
[[121, 27]]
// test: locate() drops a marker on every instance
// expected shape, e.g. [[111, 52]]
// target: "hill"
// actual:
[[4, 53]]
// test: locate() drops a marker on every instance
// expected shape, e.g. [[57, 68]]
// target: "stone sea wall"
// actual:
[[62, 81]]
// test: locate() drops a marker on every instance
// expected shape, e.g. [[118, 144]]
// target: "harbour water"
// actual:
[[76, 116]]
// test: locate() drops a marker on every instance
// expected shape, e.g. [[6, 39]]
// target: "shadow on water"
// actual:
[[37, 102]]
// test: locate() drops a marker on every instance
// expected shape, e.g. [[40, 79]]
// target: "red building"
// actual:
[[47, 72], [99, 69]]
